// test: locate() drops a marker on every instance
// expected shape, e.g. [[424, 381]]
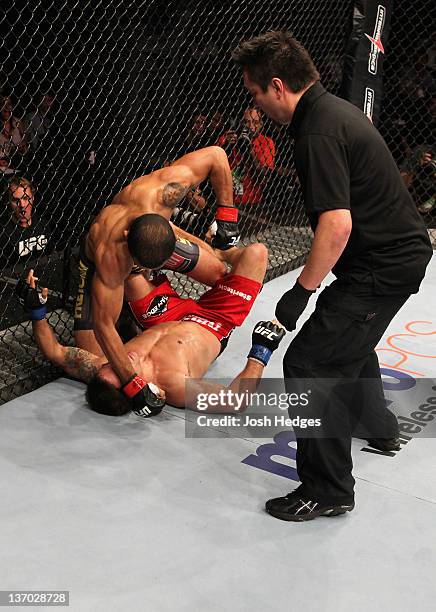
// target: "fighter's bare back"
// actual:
[[158, 192]]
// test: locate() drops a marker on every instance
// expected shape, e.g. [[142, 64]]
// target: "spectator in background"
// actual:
[[24, 237], [11, 136], [409, 106], [197, 136], [427, 123], [216, 127], [191, 214], [418, 168], [429, 82], [417, 80], [37, 122], [419, 175], [251, 158], [431, 52], [187, 214], [21, 199], [409, 121], [263, 147]]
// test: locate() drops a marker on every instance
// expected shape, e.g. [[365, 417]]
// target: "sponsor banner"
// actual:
[[377, 46], [363, 73], [368, 106]]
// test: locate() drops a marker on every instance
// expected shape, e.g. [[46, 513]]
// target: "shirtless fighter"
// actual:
[[133, 233], [183, 338]]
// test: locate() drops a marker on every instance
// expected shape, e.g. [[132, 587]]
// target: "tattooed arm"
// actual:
[[173, 193], [74, 361], [192, 169]]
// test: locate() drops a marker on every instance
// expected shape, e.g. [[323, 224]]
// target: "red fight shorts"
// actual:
[[219, 310]]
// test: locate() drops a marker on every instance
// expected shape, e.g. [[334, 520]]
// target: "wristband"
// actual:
[[227, 213], [37, 314], [134, 385], [260, 353], [298, 288]]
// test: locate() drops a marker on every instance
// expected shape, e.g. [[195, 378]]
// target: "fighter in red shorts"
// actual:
[[182, 338], [219, 310]]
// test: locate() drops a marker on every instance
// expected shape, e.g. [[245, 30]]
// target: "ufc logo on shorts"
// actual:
[[36, 243], [264, 331], [158, 306], [202, 321]]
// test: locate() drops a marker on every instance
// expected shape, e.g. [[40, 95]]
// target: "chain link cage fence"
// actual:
[[95, 94], [408, 120]]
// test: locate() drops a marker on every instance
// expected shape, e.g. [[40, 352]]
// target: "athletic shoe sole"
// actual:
[[335, 511]]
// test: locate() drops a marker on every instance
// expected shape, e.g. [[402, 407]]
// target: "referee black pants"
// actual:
[[334, 355]]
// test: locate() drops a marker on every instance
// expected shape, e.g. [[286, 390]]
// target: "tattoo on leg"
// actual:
[[80, 364], [173, 193]]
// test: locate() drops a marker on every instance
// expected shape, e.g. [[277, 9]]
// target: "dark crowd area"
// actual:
[[81, 118]]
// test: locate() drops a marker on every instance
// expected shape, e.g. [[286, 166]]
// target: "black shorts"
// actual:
[[82, 305]]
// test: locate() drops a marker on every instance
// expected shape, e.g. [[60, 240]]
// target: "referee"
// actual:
[[369, 233]]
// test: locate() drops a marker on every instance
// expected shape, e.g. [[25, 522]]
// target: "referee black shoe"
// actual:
[[295, 507], [385, 444]]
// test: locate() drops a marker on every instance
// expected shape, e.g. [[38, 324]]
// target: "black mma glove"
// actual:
[[266, 338], [227, 234], [144, 397], [291, 305], [32, 300]]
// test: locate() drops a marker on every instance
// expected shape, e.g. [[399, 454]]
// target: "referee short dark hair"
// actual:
[[276, 54]]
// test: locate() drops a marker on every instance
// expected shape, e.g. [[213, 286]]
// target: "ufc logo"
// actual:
[[36, 243], [201, 321], [264, 331]]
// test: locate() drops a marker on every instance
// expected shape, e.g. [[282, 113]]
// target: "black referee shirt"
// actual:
[[343, 162]]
